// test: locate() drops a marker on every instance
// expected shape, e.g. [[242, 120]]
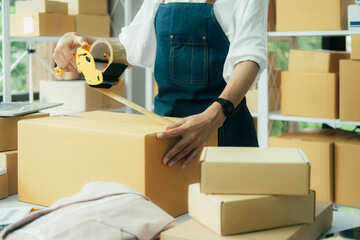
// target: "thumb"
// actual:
[[80, 41]]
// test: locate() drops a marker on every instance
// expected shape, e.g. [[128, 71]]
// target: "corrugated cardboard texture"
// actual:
[[310, 94], [309, 15], [355, 47], [347, 178], [349, 103], [72, 150], [245, 213], [41, 6], [4, 186], [77, 96], [96, 7], [237, 170], [192, 230], [93, 25], [315, 61], [42, 24], [8, 130], [8, 160]]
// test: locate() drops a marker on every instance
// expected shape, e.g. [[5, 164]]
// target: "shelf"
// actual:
[[312, 33], [42, 38]]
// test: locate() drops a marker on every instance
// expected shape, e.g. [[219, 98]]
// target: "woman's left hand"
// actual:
[[195, 131]]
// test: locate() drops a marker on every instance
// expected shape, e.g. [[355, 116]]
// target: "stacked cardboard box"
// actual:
[[4, 186], [41, 18], [311, 86], [222, 201]]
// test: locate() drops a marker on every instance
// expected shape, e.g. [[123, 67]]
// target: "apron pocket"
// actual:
[[189, 60]]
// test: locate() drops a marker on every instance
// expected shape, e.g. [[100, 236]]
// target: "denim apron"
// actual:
[[190, 55]]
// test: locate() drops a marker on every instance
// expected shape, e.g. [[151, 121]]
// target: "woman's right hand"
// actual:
[[63, 55]]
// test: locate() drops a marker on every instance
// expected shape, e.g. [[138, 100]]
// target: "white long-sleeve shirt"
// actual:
[[244, 22]]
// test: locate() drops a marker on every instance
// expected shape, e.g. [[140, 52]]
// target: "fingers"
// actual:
[[192, 156], [175, 125], [175, 130], [181, 155], [70, 59], [175, 150], [80, 41]]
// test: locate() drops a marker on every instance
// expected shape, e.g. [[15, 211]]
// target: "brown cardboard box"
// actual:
[[192, 230], [349, 103], [8, 160], [252, 97], [347, 178], [77, 96], [41, 24], [8, 130], [272, 16], [310, 15], [232, 214], [310, 94], [70, 151], [4, 185], [93, 25], [41, 6], [238, 170], [94, 7], [315, 61], [355, 47]]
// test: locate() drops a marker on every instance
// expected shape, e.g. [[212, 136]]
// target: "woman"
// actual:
[[206, 55]]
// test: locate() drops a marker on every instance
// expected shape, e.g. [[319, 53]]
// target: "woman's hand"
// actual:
[[63, 55], [196, 131]]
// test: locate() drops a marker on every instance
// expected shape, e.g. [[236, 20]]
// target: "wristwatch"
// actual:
[[227, 107]]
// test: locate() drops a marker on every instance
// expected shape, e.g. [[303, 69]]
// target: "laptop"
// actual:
[[13, 109]]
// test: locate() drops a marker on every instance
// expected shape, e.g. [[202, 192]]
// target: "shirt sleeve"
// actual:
[[250, 36], [139, 38]]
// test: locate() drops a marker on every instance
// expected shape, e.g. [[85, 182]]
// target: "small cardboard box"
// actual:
[[238, 170], [77, 96], [315, 61], [252, 99], [310, 94], [349, 103], [4, 185], [232, 214], [69, 151], [41, 24], [93, 25], [192, 230], [8, 160], [41, 6], [354, 17], [355, 47], [347, 178], [91, 7], [310, 15], [9, 132]]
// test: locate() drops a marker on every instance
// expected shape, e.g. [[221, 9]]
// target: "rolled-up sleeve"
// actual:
[[249, 42]]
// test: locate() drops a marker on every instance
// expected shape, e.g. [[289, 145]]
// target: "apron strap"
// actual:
[[207, 1]]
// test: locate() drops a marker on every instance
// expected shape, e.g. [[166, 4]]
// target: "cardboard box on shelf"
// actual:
[[349, 103], [77, 96], [310, 94], [95, 7], [232, 214], [4, 185], [315, 61], [8, 160], [192, 230], [272, 16], [252, 99], [235, 170], [9, 130], [309, 15], [347, 164], [354, 17], [41, 24], [93, 25], [355, 47], [69, 151], [41, 6]]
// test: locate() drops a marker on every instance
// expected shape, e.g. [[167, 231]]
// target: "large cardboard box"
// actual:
[[95, 7], [9, 132], [41, 24], [93, 25], [4, 185], [78, 96], [192, 230], [347, 178], [238, 170], [69, 151], [252, 99], [310, 94], [8, 160], [232, 214], [355, 47], [41, 6], [310, 15], [349, 103], [315, 61]]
